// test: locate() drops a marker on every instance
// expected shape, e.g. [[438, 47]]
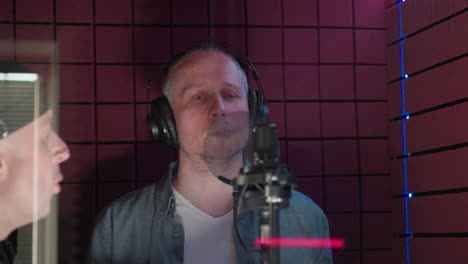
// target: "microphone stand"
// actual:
[[266, 187]]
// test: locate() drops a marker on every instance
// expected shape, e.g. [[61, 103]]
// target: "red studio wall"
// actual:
[[427, 49], [323, 66]]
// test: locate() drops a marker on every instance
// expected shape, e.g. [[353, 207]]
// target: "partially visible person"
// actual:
[[34, 151], [187, 217]]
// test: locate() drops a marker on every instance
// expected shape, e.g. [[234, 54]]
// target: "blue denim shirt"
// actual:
[[141, 227]]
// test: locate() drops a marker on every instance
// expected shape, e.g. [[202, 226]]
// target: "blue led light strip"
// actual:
[[403, 129]]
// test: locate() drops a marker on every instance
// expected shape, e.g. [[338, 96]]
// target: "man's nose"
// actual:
[[60, 151], [218, 108]]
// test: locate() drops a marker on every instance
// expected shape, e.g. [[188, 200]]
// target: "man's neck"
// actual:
[[198, 183], [6, 223]]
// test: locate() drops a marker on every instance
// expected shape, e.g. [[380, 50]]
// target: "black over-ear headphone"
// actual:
[[160, 119]]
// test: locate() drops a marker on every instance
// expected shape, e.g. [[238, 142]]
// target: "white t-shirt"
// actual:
[[207, 239]]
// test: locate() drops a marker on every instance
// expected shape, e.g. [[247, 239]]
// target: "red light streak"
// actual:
[[300, 242]]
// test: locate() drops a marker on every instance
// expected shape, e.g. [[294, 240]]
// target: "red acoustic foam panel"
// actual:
[[377, 233], [346, 226], [76, 201], [397, 216], [346, 257], [416, 14], [303, 120], [232, 38], [300, 12], [305, 157], [283, 153], [438, 128], [144, 184], [459, 38], [419, 55], [187, 37], [152, 44], [368, 13], [336, 82], [230, 12], [425, 90], [376, 193], [393, 62], [336, 45], [115, 123], [114, 44], [447, 213], [264, 12], [342, 194], [27, 34], [74, 237], [145, 91], [336, 13], [395, 134], [391, 24], [277, 117], [7, 45], [142, 130], [76, 83], [300, 45], [398, 250], [33, 10], [114, 83], [74, 11], [370, 46], [340, 157], [443, 170], [190, 11], [82, 164], [312, 187], [438, 250], [75, 43], [301, 82], [389, 2], [115, 11], [394, 99], [6, 13], [116, 162], [456, 6], [153, 161], [338, 119], [151, 12], [374, 156], [271, 77], [77, 122], [441, 9], [370, 82], [264, 45], [396, 172], [372, 119]]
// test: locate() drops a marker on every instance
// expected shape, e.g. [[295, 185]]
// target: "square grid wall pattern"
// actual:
[[427, 51], [322, 64]]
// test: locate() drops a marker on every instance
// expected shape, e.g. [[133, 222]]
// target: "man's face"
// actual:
[[209, 101], [33, 155]]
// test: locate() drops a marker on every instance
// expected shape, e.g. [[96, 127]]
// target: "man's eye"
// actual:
[[230, 95], [198, 97]]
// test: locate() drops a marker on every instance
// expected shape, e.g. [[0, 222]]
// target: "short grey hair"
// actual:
[[171, 68]]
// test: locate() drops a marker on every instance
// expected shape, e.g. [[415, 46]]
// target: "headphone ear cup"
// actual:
[[161, 122], [256, 106]]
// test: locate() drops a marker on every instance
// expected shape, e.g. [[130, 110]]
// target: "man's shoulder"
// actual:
[[305, 205], [131, 204]]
